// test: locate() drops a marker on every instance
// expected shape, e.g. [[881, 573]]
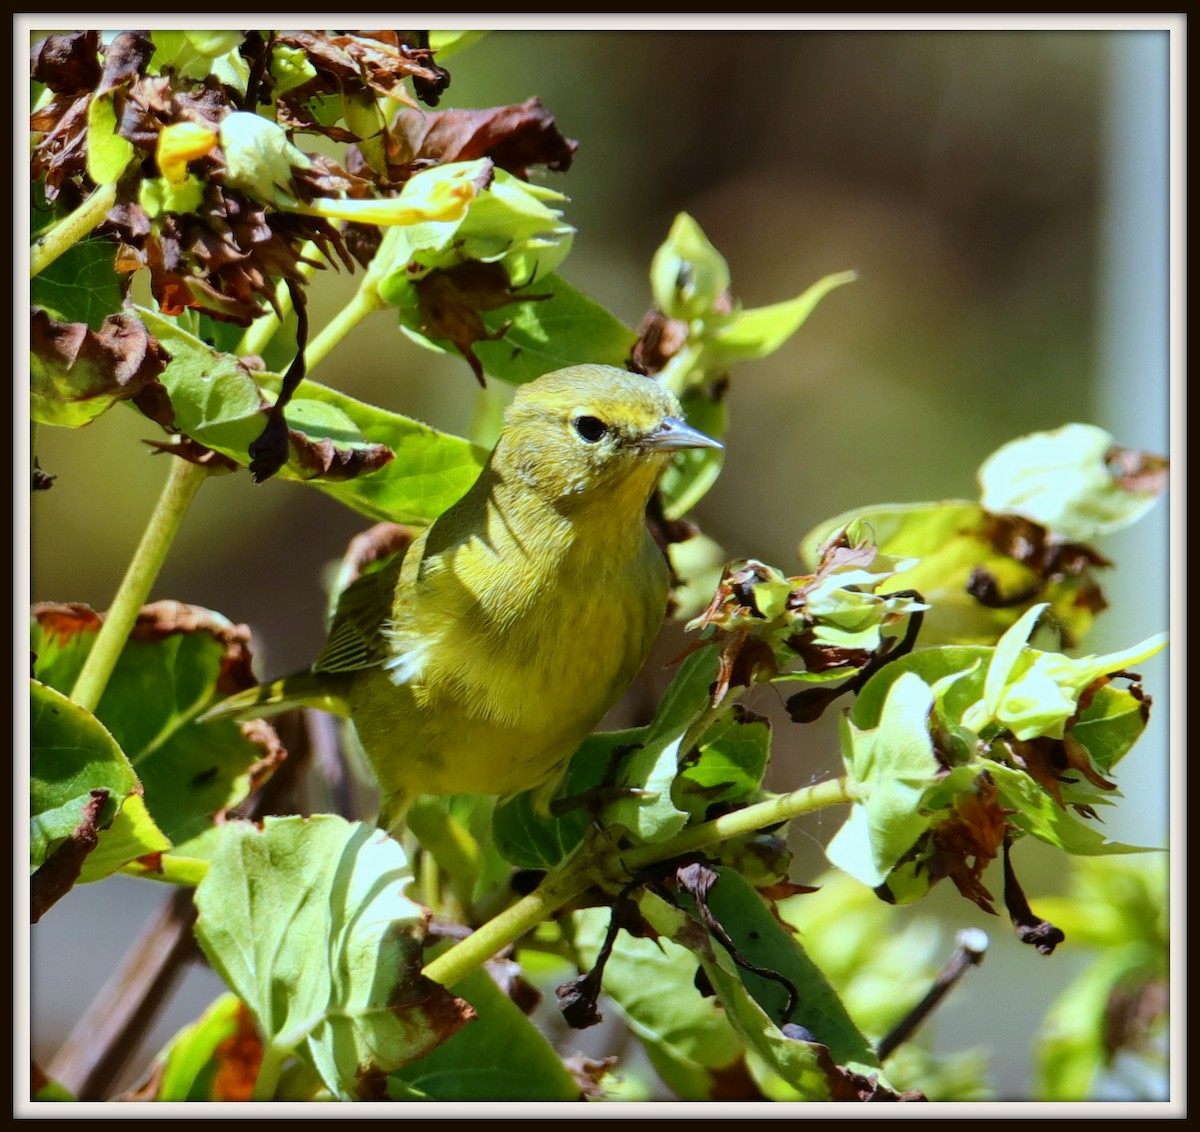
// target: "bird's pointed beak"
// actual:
[[674, 433]]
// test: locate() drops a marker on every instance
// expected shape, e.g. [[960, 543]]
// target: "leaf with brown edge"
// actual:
[[76, 373], [57, 875], [367, 1010], [1137, 471], [450, 302], [177, 660]]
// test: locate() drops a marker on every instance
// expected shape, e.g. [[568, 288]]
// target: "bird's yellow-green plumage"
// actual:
[[480, 661]]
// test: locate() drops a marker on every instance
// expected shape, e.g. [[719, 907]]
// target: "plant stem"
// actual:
[[366, 299], [759, 816], [267, 1080], [71, 229], [594, 863], [182, 482], [558, 889]]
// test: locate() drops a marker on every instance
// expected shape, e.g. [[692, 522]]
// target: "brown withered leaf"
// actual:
[[56, 876], [238, 1059], [226, 258], [125, 60], [82, 371], [659, 340], [70, 67], [969, 840], [1133, 1009], [514, 137], [589, 1073], [67, 64], [450, 301], [194, 453], [1051, 560], [377, 61]]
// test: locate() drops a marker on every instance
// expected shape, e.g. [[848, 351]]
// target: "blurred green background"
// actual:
[[1002, 196]]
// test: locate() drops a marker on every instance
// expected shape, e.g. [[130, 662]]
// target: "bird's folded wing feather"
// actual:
[[356, 638]]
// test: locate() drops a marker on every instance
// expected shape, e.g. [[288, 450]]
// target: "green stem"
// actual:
[[182, 483], [561, 887], [558, 889], [71, 229], [759, 816], [366, 299], [267, 1080]]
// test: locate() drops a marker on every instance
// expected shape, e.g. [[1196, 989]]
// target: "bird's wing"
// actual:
[[356, 638]]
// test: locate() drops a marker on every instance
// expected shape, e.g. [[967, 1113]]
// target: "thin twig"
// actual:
[[972, 945]]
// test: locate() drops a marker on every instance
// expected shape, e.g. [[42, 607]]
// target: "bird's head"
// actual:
[[593, 428]]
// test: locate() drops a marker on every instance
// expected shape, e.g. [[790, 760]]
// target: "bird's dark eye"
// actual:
[[591, 429]]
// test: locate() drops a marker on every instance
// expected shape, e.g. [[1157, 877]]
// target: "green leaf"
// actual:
[[165, 676], [71, 754], [306, 921], [1063, 480], [755, 1004], [1039, 815], [447, 43], [531, 840], [687, 274], [653, 767], [564, 330], [501, 1056], [218, 402], [1033, 693], [892, 767], [81, 285], [760, 332], [687, 1037], [108, 154], [731, 759], [196, 1063]]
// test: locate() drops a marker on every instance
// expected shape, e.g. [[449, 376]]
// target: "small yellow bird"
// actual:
[[479, 661]]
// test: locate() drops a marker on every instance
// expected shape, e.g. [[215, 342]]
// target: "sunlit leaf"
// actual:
[[1064, 480], [500, 1056], [687, 1037], [652, 768], [165, 676], [217, 401], [276, 896]]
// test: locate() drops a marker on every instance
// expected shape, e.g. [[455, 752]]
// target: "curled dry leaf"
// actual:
[[514, 137], [78, 373]]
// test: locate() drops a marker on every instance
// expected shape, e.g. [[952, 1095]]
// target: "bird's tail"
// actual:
[[302, 689]]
